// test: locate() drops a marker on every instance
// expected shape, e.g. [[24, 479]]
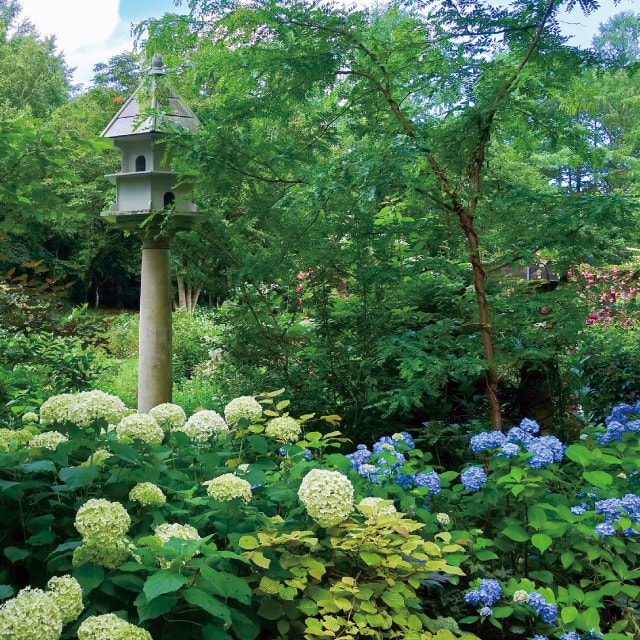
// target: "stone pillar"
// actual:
[[154, 367]]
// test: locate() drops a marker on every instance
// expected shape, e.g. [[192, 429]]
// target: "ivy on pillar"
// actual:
[[151, 204]]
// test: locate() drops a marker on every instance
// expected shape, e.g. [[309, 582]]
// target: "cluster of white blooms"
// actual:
[[164, 532], [169, 416], [521, 596], [139, 426], [109, 627], [98, 458], [377, 507], [284, 429], [47, 440], [227, 487], [147, 494], [56, 408], [246, 407], [327, 496], [66, 593], [88, 407], [168, 530], [110, 556], [102, 522], [21, 436], [31, 614], [204, 424], [30, 418], [443, 519]]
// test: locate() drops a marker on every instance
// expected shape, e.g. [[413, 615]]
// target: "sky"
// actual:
[[91, 31]]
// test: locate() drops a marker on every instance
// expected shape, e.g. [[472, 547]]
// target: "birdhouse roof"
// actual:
[[170, 110]]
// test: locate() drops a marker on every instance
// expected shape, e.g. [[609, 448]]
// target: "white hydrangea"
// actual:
[[284, 429], [109, 627], [139, 426], [376, 507], [147, 494], [100, 521], [30, 418], [327, 496], [246, 407], [56, 408], [47, 440], [31, 615], [204, 424], [109, 555], [521, 596], [168, 530], [98, 458], [227, 487], [66, 593], [169, 416], [88, 407], [443, 519]]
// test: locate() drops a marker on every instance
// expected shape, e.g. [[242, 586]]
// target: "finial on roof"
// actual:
[[157, 65]]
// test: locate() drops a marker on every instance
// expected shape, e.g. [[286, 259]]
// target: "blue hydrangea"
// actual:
[[609, 507], [547, 611], [579, 508], [592, 634], [486, 612], [539, 637], [518, 435], [431, 480], [618, 422], [488, 593], [404, 438], [571, 635], [529, 426], [487, 440], [473, 478], [359, 457], [404, 480], [605, 529], [384, 444], [509, 450], [546, 450]]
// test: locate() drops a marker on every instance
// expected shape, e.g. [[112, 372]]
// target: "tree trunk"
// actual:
[[187, 296]]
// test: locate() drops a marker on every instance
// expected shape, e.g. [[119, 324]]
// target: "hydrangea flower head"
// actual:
[[404, 438], [204, 424], [529, 426], [66, 594], [109, 627], [55, 410], [48, 440], [147, 494], [487, 593], [283, 429], [244, 407], [431, 480], [168, 530], [98, 458], [109, 555], [327, 496], [169, 416], [139, 427], [443, 519], [488, 440], [521, 596], [88, 407], [228, 487], [473, 478], [376, 507], [32, 614], [101, 521], [30, 418], [547, 611]]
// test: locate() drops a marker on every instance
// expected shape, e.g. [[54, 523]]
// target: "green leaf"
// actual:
[[38, 467], [78, 477], [371, 559], [14, 554], [579, 453], [600, 479], [225, 584], [485, 554], [541, 541], [161, 582], [6, 591], [516, 532], [210, 604], [156, 608], [568, 614], [89, 576], [212, 632]]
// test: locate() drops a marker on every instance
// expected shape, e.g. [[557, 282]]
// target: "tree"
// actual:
[[319, 122]]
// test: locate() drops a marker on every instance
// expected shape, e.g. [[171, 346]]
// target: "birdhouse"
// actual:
[[145, 184]]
